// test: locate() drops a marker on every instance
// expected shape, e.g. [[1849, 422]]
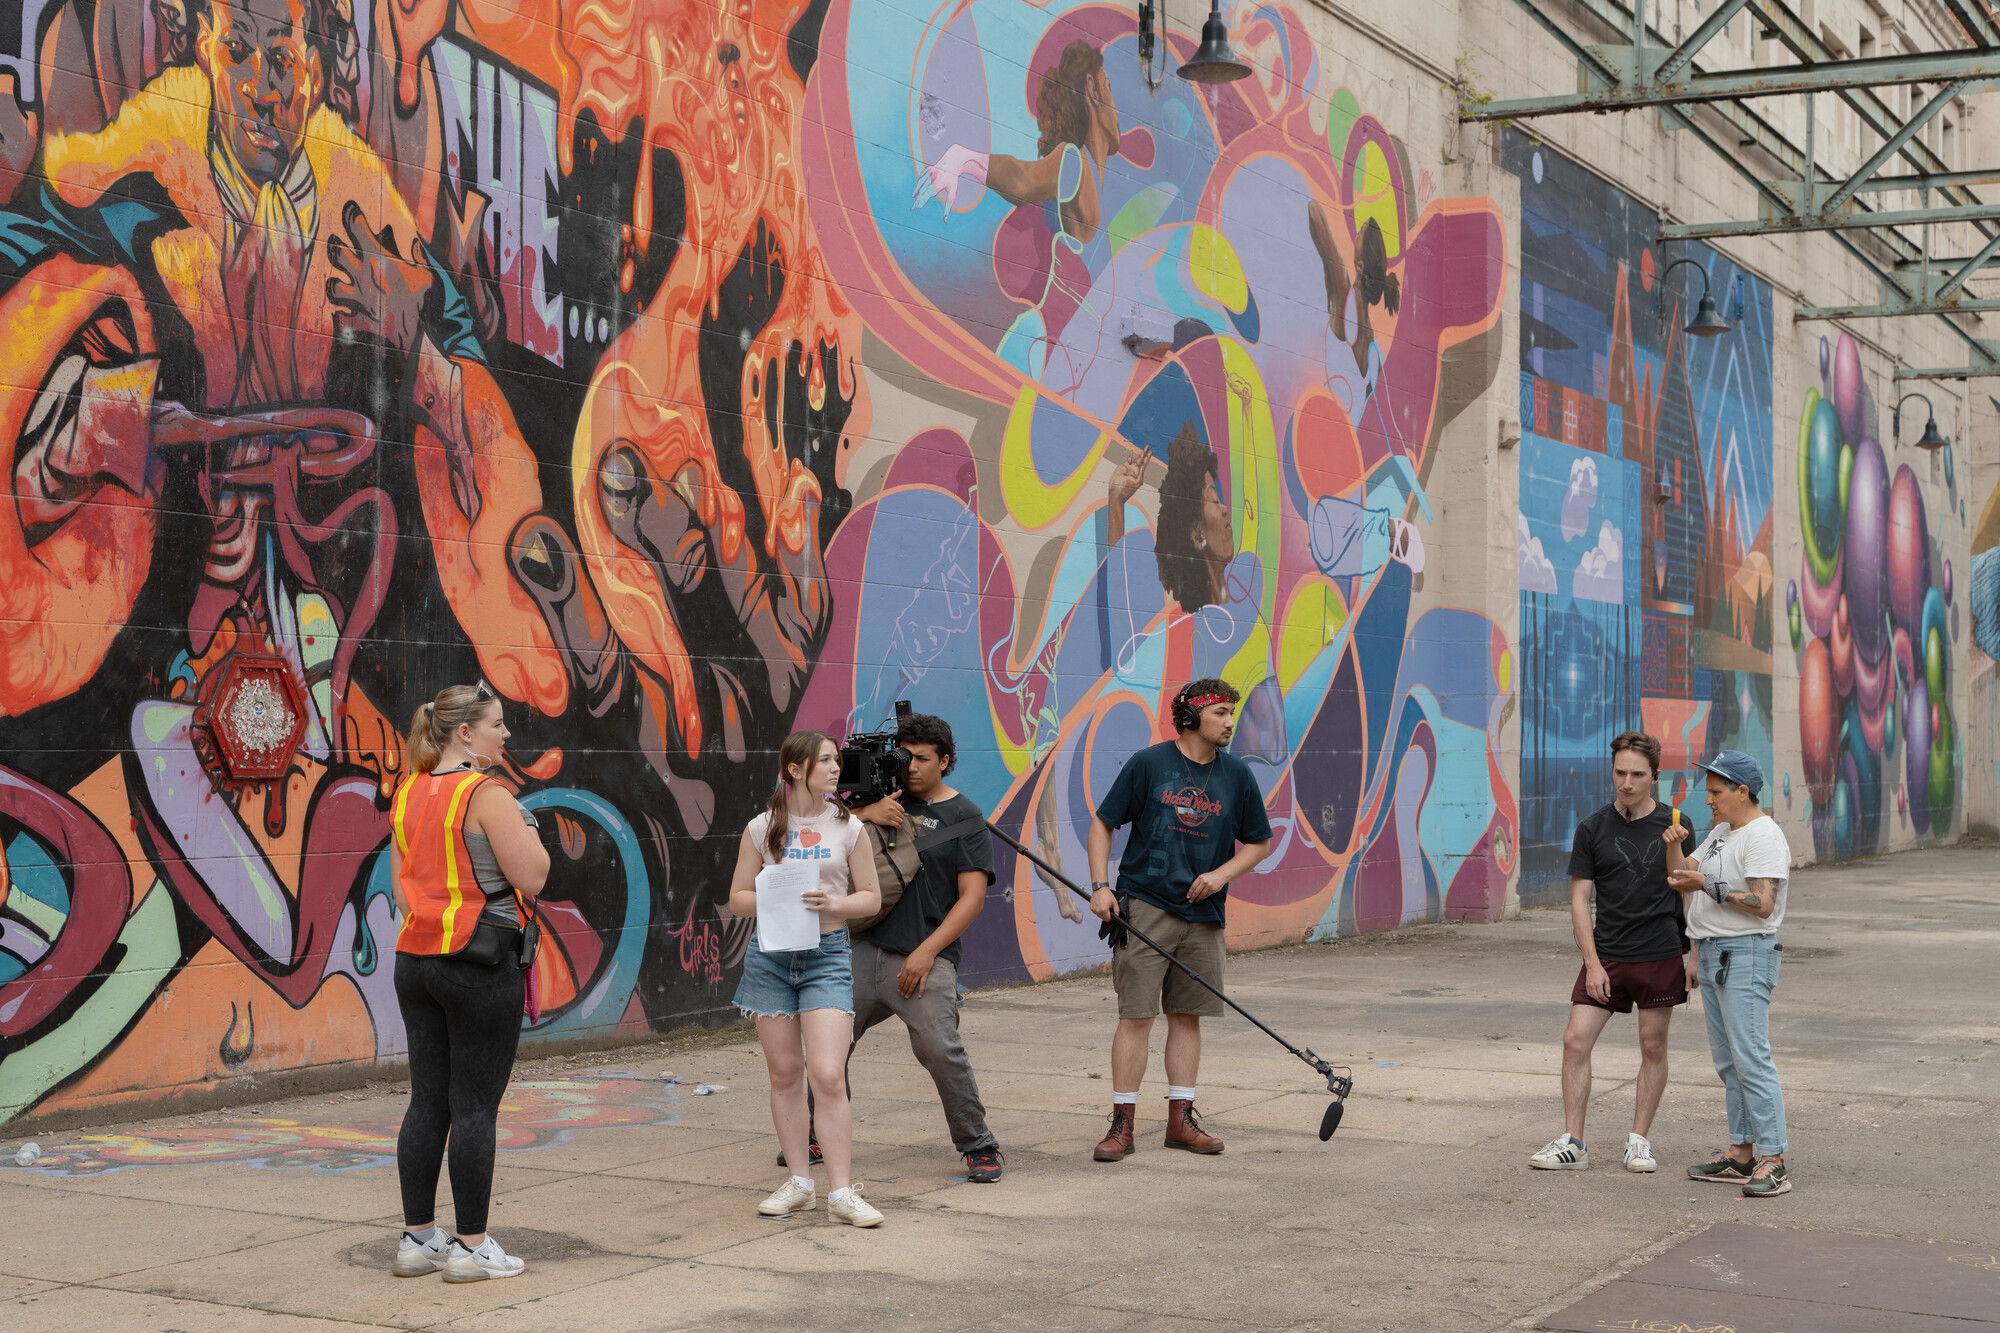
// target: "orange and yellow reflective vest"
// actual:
[[442, 899]]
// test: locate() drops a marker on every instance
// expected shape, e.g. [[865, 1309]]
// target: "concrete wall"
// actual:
[[763, 365]]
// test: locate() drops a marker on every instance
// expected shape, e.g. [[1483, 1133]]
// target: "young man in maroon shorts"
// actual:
[[1634, 954]]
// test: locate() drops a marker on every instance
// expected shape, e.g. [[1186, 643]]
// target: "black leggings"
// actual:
[[464, 1022]]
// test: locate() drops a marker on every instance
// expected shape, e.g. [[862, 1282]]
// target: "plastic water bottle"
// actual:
[[30, 1154]]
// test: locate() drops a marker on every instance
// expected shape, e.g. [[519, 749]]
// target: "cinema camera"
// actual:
[[872, 765]]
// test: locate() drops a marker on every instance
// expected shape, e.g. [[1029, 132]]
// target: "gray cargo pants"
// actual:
[[932, 1019]]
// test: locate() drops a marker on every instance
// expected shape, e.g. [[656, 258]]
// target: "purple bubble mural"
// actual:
[[1868, 618]]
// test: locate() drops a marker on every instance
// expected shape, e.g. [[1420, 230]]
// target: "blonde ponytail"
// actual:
[[435, 723]]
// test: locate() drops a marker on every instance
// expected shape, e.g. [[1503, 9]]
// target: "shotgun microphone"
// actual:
[[1339, 1085]]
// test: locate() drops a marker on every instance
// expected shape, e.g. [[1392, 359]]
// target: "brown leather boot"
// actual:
[[1184, 1130], [1117, 1145]]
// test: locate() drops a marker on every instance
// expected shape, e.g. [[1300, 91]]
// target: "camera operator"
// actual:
[[907, 964]]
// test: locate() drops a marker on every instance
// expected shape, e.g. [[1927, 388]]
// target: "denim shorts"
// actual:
[[780, 985]]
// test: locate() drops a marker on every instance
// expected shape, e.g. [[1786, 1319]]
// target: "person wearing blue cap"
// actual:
[[1735, 888]]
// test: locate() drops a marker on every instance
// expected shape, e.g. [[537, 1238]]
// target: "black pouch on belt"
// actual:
[[492, 944]]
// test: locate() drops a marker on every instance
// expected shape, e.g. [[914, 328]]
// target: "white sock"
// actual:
[[840, 1193], [1180, 1094], [803, 1182], [1124, 1099]]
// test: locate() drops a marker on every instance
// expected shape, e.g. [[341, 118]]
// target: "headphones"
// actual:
[[1185, 717]]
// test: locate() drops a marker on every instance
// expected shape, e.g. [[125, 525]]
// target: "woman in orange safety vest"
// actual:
[[466, 857]]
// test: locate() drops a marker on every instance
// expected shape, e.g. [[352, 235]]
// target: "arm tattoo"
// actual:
[[1752, 897]]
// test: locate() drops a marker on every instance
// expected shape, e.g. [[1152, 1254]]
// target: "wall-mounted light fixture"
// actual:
[[1214, 61], [1707, 321], [1930, 439], [1663, 487]]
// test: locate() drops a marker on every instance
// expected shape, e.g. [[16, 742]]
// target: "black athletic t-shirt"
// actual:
[[1638, 916], [1186, 820], [931, 896]]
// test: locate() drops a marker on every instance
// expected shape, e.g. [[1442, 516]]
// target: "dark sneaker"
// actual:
[[812, 1151], [1723, 1170], [982, 1167], [1768, 1179]]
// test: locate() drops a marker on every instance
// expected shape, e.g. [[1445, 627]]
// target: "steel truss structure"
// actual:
[[1649, 70]]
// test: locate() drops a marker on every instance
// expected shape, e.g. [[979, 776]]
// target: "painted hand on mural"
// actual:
[[1124, 484], [943, 178], [376, 292]]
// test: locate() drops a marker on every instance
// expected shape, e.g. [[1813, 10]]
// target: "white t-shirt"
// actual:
[[1756, 851], [828, 839]]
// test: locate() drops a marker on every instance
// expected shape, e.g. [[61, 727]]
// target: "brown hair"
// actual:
[[801, 748], [1195, 689], [1184, 568], [1640, 741], [1371, 270], [437, 721], [927, 729], [1064, 101]]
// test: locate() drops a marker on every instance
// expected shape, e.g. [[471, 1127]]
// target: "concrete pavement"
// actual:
[[634, 1199]]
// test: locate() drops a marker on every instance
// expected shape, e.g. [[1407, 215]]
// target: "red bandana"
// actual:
[[1200, 701]]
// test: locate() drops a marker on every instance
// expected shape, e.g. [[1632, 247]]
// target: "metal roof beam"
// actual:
[[1969, 267], [1893, 309], [1615, 15], [1699, 38], [1978, 25], [1894, 145], [1832, 76], [1749, 124], [1989, 347], [1902, 217], [1940, 180], [1805, 45]]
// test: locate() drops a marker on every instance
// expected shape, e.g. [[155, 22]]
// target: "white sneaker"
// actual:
[[489, 1260], [791, 1197], [420, 1259], [1639, 1154], [1563, 1153], [848, 1206]]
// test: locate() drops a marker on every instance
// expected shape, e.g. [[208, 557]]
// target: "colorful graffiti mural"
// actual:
[[1868, 617], [1209, 339], [599, 350], [1645, 524]]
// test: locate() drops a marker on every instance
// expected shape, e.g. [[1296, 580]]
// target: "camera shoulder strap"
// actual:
[[939, 836]]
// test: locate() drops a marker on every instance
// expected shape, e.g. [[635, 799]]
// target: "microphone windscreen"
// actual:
[[1330, 1121]]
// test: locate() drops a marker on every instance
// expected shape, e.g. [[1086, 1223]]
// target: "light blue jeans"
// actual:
[[1737, 977]]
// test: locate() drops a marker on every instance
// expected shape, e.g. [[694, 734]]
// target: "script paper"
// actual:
[[784, 922]]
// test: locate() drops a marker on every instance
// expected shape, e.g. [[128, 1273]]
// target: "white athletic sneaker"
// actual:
[[790, 1197], [1563, 1153], [489, 1260], [851, 1208], [1639, 1154], [420, 1260]]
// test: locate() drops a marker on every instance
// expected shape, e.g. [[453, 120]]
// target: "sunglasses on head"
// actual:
[[483, 691]]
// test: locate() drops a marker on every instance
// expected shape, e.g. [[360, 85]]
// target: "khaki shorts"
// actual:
[[1148, 984]]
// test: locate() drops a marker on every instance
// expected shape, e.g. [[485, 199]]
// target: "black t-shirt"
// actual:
[[1186, 820], [1638, 916], [931, 896]]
